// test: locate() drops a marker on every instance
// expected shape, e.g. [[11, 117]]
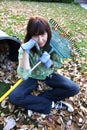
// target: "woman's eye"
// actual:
[[44, 34], [36, 36]]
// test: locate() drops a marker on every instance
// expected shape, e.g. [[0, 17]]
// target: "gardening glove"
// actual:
[[30, 44], [45, 58]]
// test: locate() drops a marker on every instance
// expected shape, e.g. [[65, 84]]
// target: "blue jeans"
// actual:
[[61, 88]]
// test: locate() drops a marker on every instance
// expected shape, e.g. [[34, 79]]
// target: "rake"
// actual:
[[60, 43], [61, 34]]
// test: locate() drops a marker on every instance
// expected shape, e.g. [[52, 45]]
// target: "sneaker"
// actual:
[[62, 105]]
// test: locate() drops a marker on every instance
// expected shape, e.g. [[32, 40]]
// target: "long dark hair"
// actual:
[[38, 25]]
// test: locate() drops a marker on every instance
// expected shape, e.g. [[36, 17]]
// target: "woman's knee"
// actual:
[[75, 89], [14, 97]]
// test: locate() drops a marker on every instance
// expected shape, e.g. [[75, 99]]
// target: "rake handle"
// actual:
[[16, 84], [10, 90]]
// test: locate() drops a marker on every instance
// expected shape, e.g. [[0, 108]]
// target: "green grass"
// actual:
[[72, 18]]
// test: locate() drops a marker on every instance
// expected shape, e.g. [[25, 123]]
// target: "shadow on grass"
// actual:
[[4, 87]]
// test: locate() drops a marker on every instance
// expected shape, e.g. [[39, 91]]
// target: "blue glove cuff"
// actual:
[[29, 45], [45, 57], [49, 63]]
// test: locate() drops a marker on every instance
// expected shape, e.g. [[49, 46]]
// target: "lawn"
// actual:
[[72, 18]]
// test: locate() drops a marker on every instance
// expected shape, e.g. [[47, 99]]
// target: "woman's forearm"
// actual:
[[24, 68], [24, 62]]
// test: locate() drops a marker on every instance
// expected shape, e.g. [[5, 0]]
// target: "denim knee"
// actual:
[[75, 89], [11, 98], [14, 99]]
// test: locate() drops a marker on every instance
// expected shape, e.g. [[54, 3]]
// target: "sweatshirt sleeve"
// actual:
[[57, 62], [22, 72]]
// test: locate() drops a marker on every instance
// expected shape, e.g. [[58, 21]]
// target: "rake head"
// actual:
[[60, 42], [60, 45]]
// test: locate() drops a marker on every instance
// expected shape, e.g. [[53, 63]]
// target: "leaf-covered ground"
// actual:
[[73, 19]]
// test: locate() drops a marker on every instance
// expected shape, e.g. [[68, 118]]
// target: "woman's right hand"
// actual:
[[29, 45]]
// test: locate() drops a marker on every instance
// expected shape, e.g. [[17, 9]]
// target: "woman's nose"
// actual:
[[40, 38]]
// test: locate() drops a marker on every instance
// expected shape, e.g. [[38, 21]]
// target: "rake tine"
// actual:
[[55, 26]]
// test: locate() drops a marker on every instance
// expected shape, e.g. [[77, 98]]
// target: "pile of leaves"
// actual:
[[16, 118]]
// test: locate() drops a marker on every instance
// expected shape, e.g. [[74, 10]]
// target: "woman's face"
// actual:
[[41, 39]]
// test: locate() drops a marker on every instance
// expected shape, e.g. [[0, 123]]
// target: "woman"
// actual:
[[36, 48]]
